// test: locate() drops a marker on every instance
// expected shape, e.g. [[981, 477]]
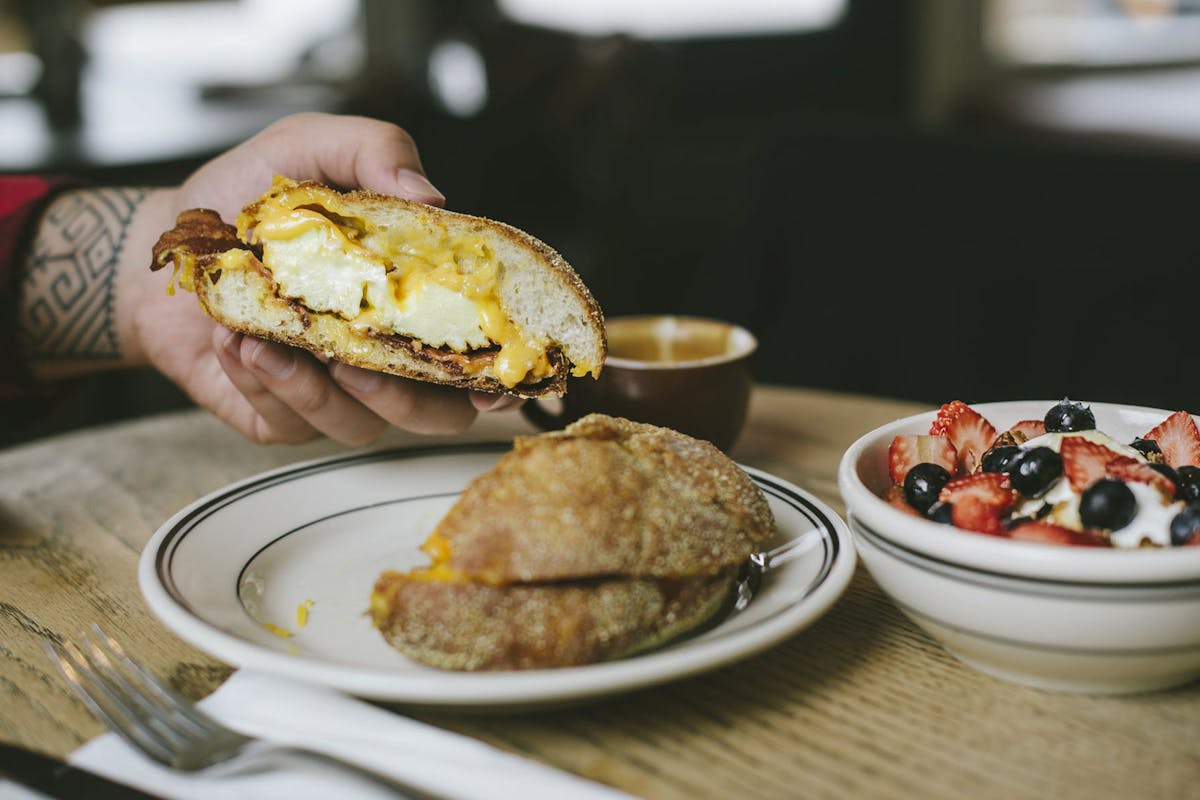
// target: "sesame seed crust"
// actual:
[[473, 626], [579, 545], [606, 497]]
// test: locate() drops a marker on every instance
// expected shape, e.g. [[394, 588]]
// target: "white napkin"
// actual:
[[430, 758]]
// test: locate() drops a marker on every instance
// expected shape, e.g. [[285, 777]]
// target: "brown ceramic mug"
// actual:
[[686, 373]]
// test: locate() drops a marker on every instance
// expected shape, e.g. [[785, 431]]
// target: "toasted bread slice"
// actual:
[[606, 496], [393, 286], [472, 626], [579, 545]]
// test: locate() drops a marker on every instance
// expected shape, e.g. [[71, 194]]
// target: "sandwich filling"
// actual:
[[448, 289], [388, 276]]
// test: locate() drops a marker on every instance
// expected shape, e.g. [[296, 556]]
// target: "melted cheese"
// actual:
[[282, 633], [440, 570], [437, 548], [428, 284], [183, 267], [438, 573], [302, 613]]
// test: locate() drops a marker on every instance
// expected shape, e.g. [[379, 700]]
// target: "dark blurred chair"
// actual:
[[933, 268]]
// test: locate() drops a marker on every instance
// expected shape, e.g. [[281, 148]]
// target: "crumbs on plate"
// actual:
[[301, 621]]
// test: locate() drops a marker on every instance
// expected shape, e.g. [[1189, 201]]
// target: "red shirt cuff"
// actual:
[[22, 198]]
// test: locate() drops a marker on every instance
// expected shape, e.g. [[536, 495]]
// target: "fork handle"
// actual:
[[305, 756]]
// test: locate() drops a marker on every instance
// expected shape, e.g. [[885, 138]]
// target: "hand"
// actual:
[[270, 392]]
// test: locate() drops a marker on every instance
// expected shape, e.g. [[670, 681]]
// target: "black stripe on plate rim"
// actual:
[[340, 513], [831, 546], [1024, 585], [829, 542], [1025, 644], [174, 537]]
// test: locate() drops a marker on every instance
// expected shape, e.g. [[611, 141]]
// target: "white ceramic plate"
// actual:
[[225, 569]]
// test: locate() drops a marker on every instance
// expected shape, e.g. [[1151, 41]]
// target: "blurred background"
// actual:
[[924, 199]]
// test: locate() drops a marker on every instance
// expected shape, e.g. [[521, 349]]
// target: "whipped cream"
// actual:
[[1152, 521], [1054, 442]]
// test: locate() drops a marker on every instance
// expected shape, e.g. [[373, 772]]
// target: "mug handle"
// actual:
[[535, 412]]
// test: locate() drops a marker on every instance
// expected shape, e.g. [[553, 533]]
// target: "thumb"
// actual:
[[347, 151], [414, 185]]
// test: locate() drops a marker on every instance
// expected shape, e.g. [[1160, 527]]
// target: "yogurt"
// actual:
[[1151, 524]]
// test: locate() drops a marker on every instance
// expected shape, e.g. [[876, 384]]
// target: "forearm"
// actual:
[[84, 271]]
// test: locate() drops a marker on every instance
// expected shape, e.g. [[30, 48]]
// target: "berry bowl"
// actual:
[[1051, 615]]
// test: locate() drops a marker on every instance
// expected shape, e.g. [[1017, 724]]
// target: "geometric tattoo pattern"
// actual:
[[69, 276]]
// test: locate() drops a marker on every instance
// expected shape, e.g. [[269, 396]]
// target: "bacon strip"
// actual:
[[457, 363], [198, 232]]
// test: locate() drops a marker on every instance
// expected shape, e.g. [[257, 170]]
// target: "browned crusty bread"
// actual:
[[579, 545], [605, 496], [466, 625], [384, 283]]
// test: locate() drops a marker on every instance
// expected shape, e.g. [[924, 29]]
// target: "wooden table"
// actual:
[[861, 704]]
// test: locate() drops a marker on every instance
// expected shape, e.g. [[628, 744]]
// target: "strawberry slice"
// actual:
[[1085, 461], [947, 414], [896, 499], [973, 513], [1049, 533], [967, 430], [906, 452], [1126, 469], [1178, 439], [971, 436], [990, 488], [1029, 428]]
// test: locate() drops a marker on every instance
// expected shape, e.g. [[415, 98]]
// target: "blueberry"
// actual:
[[1187, 483], [1146, 447], [1186, 524], [940, 512], [1108, 504], [923, 483], [1170, 474], [1070, 416], [1001, 458], [1035, 471]]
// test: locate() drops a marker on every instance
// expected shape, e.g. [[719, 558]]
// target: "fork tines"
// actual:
[[126, 696]]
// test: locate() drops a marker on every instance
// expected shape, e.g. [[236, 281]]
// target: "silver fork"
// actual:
[[155, 719]]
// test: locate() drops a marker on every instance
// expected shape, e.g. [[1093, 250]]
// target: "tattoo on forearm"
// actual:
[[68, 283]]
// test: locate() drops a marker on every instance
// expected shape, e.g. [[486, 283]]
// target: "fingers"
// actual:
[[350, 151], [413, 406], [489, 403], [294, 397], [345, 151], [208, 382], [271, 420]]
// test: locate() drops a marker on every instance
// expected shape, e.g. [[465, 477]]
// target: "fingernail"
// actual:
[[416, 186], [228, 340], [494, 402], [359, 380], [507, 402], [272, 359]]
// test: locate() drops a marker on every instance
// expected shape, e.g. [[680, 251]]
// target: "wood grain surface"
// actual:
[[861, 704]]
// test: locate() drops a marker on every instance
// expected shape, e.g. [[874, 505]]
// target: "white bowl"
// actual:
[[1051, 616]]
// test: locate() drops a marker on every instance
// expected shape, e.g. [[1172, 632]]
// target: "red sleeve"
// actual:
[[21, 198]]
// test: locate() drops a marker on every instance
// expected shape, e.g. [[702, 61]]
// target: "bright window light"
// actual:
[[676, 19], [458, 78], [19, 72], [252, 41], [1085, 34]]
